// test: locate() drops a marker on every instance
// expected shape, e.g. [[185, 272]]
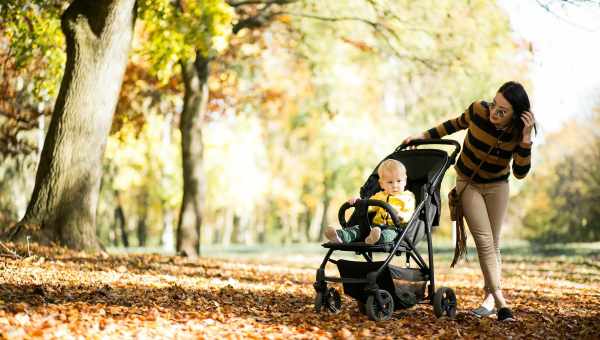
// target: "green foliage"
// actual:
[[561, 200], [177, 32], [143, 166], [431, 58], [567, 210], [32, 30]]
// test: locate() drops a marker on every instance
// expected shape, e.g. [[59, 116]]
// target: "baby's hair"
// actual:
[[389, 165]]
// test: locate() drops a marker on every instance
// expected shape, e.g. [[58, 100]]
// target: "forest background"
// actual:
[[295, 103]]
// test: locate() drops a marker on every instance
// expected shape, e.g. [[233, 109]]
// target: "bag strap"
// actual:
[[498, 142]]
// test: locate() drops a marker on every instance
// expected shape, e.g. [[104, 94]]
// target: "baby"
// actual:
[[392, 179]]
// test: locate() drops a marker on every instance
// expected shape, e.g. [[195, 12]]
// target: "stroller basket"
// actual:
[[357, 270]]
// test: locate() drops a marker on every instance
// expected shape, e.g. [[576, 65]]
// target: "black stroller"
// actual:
[[379, 287]]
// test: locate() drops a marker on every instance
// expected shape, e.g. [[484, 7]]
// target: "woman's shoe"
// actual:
[[505, 314], [482, 312]]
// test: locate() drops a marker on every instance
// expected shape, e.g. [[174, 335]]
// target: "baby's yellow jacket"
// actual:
[[403, 203]]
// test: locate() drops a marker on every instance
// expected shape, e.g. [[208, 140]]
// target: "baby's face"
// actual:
[[393, 182]]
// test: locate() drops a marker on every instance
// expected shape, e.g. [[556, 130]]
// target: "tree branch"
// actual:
[[380, 29]]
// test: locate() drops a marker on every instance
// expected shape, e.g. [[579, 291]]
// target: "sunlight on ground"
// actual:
[[66, 294]]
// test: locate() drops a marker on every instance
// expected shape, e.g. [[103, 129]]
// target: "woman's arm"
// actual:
[[451, 126], [522, 154], [521, 160], [448, 127]]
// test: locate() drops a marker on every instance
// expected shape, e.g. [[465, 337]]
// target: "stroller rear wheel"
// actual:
[[331, 300], [380, 310], [361, 307], [444, 302]]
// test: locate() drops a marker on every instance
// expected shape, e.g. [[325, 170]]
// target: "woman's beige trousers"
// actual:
[[484, 207]]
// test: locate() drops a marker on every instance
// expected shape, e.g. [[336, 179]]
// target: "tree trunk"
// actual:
[[63, 205], [326, 202], [142, 226], [142, 231], [316, 222], [228, 219], [195, 77], [120, 220]]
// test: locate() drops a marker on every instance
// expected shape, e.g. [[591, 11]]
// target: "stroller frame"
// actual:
[[375, 290]]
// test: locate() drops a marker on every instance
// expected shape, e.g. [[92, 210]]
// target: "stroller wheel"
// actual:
[[444, 302], [380, 310], [332, 301], [318, 302], [361, 307]]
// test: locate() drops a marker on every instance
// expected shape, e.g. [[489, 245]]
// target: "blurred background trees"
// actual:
[[561, 201], [298, 103]]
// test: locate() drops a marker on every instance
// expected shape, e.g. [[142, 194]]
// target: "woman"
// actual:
[[504, 125]]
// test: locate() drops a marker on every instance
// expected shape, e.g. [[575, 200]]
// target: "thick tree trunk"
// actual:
[[63, 205], [195, 77]]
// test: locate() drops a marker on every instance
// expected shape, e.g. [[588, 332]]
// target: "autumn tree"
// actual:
[[560, 203], [63, 205]]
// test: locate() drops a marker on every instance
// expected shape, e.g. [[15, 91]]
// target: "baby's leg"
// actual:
[[350, 234], [388, 235]]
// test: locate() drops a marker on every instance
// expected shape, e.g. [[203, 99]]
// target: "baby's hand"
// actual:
[[353, 200]]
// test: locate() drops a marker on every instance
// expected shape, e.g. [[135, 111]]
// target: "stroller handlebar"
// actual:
[[367, 203], [417, 142]]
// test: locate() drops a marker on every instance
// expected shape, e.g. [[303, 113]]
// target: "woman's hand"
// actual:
[[417, 136], [528, 123], [353, 200]]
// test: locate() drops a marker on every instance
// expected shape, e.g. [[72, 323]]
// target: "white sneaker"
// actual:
[[374, 235], [332, 236]]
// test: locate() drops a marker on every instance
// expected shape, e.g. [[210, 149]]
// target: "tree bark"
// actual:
[[326, 202], [142, 225], [63, 205], [316, 221], [142, 231], [195, 77], [120, 220]]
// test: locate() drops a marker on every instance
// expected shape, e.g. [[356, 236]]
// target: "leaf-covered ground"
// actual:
[[54, 293]]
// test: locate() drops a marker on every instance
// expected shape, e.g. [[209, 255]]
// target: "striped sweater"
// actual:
[[481, 135]]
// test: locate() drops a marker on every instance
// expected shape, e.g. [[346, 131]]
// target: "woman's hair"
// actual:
[[390, 165], [519, 100]]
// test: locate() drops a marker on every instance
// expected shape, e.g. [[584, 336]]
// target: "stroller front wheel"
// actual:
[[362, 308], [380, 307], [331, 300], [444, 302]]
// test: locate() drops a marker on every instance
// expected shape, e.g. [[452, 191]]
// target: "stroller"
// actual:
[[378, 286]]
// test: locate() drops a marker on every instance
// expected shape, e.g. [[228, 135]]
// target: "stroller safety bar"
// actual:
[[368, 203]]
